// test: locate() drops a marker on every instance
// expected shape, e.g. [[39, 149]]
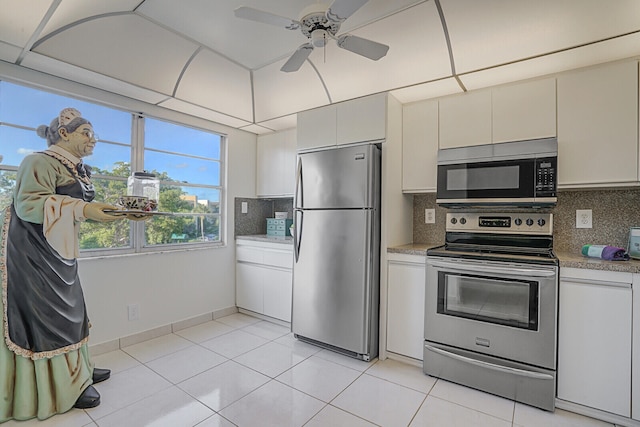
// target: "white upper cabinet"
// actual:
[[317, 127], [598, 126], [358, 120], [362, 119], [276, 154], [465, 120], [419, 146], [524, 111]]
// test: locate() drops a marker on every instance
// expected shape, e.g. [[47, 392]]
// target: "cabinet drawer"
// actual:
[[249, 254], [282, 259]]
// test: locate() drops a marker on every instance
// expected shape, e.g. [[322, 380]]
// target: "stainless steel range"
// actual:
[[491, 305]]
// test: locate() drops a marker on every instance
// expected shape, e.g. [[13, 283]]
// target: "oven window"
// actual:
[[501, 301]]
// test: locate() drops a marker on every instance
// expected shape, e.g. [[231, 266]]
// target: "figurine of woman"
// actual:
[[45, 368]]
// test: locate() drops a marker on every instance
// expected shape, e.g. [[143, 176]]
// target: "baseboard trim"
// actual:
[[108, 346], [618, 420]]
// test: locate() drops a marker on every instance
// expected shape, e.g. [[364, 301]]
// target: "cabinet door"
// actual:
[[317, 128], [594, 345], [419, 146], [249, 287], [405, 310], [287, 162], [524, 111], [598, 125], [267, 173], [277, 293], [465, 119], [362, 119]]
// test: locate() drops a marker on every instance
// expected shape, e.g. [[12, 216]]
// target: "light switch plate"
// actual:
[[429, 216], [584, 218], [244, 207]]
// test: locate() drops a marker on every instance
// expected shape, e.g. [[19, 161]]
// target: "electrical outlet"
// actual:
[[584, 218], [429, 216], [133, 311], [244, 207]]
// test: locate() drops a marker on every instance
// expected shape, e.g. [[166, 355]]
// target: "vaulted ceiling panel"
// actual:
[[417, 54], [19, 19], [278, 94], [606, 51], [69, 11], [213, 24], [216, 83], [491, 32], [126, 47]]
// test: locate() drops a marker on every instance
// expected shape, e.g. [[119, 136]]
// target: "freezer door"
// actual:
[[333, 278], [338, 178]]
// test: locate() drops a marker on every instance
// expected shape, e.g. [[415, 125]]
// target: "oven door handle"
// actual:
[[494, 367], [529, 272]]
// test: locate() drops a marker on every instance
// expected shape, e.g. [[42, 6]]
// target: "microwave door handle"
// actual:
[[480, 268], [494, 367]]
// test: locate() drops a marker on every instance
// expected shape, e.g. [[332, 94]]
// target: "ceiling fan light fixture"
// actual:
[[319, 38]]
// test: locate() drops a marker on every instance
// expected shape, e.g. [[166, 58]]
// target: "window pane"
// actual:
[[16, 143], [182, 228], [110, 159], [103, 235], [31, 107], [178, 168], [7, 184], [181, 139]]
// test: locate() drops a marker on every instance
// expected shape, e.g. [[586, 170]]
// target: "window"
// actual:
[[187, 162]]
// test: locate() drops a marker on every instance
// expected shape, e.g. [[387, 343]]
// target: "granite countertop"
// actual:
[[573, 260], [288, 240], [413, 248], [567, 259]]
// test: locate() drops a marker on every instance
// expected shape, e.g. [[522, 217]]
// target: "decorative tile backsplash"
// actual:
[[614, 212]]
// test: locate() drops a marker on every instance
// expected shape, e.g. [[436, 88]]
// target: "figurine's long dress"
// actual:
[[44, 358]]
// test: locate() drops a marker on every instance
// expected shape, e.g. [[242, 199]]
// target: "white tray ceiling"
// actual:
[[196, 57]]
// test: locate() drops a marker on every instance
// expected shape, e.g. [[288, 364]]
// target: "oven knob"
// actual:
[[518, 222], [463, 221], [453, 220], [529, 222], [541, 222]]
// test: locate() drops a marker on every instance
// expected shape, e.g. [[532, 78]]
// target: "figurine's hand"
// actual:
[[94, 211]]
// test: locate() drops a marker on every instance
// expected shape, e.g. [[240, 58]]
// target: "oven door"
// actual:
[[501, 309]]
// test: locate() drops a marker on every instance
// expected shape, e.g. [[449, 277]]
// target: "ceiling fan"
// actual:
[[319, 24]]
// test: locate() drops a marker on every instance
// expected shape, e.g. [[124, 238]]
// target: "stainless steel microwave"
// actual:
[[520, 173]]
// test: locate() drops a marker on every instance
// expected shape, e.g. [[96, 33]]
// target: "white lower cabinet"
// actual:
[[405, 304], [594, 339], [264, 278]]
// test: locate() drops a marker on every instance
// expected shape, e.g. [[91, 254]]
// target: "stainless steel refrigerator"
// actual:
[[337, 249]]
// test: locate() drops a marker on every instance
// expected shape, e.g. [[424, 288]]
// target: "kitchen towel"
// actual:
[[610, 253]]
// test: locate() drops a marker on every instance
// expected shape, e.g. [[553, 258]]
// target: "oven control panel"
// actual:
[[505, 223]]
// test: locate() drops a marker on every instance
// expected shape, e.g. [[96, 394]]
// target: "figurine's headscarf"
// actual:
[[69, 118]]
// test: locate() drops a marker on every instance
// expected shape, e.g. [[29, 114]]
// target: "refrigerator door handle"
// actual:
[[299, 200], [297, 233]]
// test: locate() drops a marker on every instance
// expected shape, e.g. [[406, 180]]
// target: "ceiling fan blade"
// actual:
[[252, 14], [297, 59], [367, 48], [340, 10]]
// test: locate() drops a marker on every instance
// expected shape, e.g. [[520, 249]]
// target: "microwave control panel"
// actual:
[[505, 223], [546, 177]]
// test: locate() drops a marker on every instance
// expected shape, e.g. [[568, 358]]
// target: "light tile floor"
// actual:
[[242, 371]]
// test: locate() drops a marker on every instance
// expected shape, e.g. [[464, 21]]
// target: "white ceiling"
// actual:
[[196, 57]]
